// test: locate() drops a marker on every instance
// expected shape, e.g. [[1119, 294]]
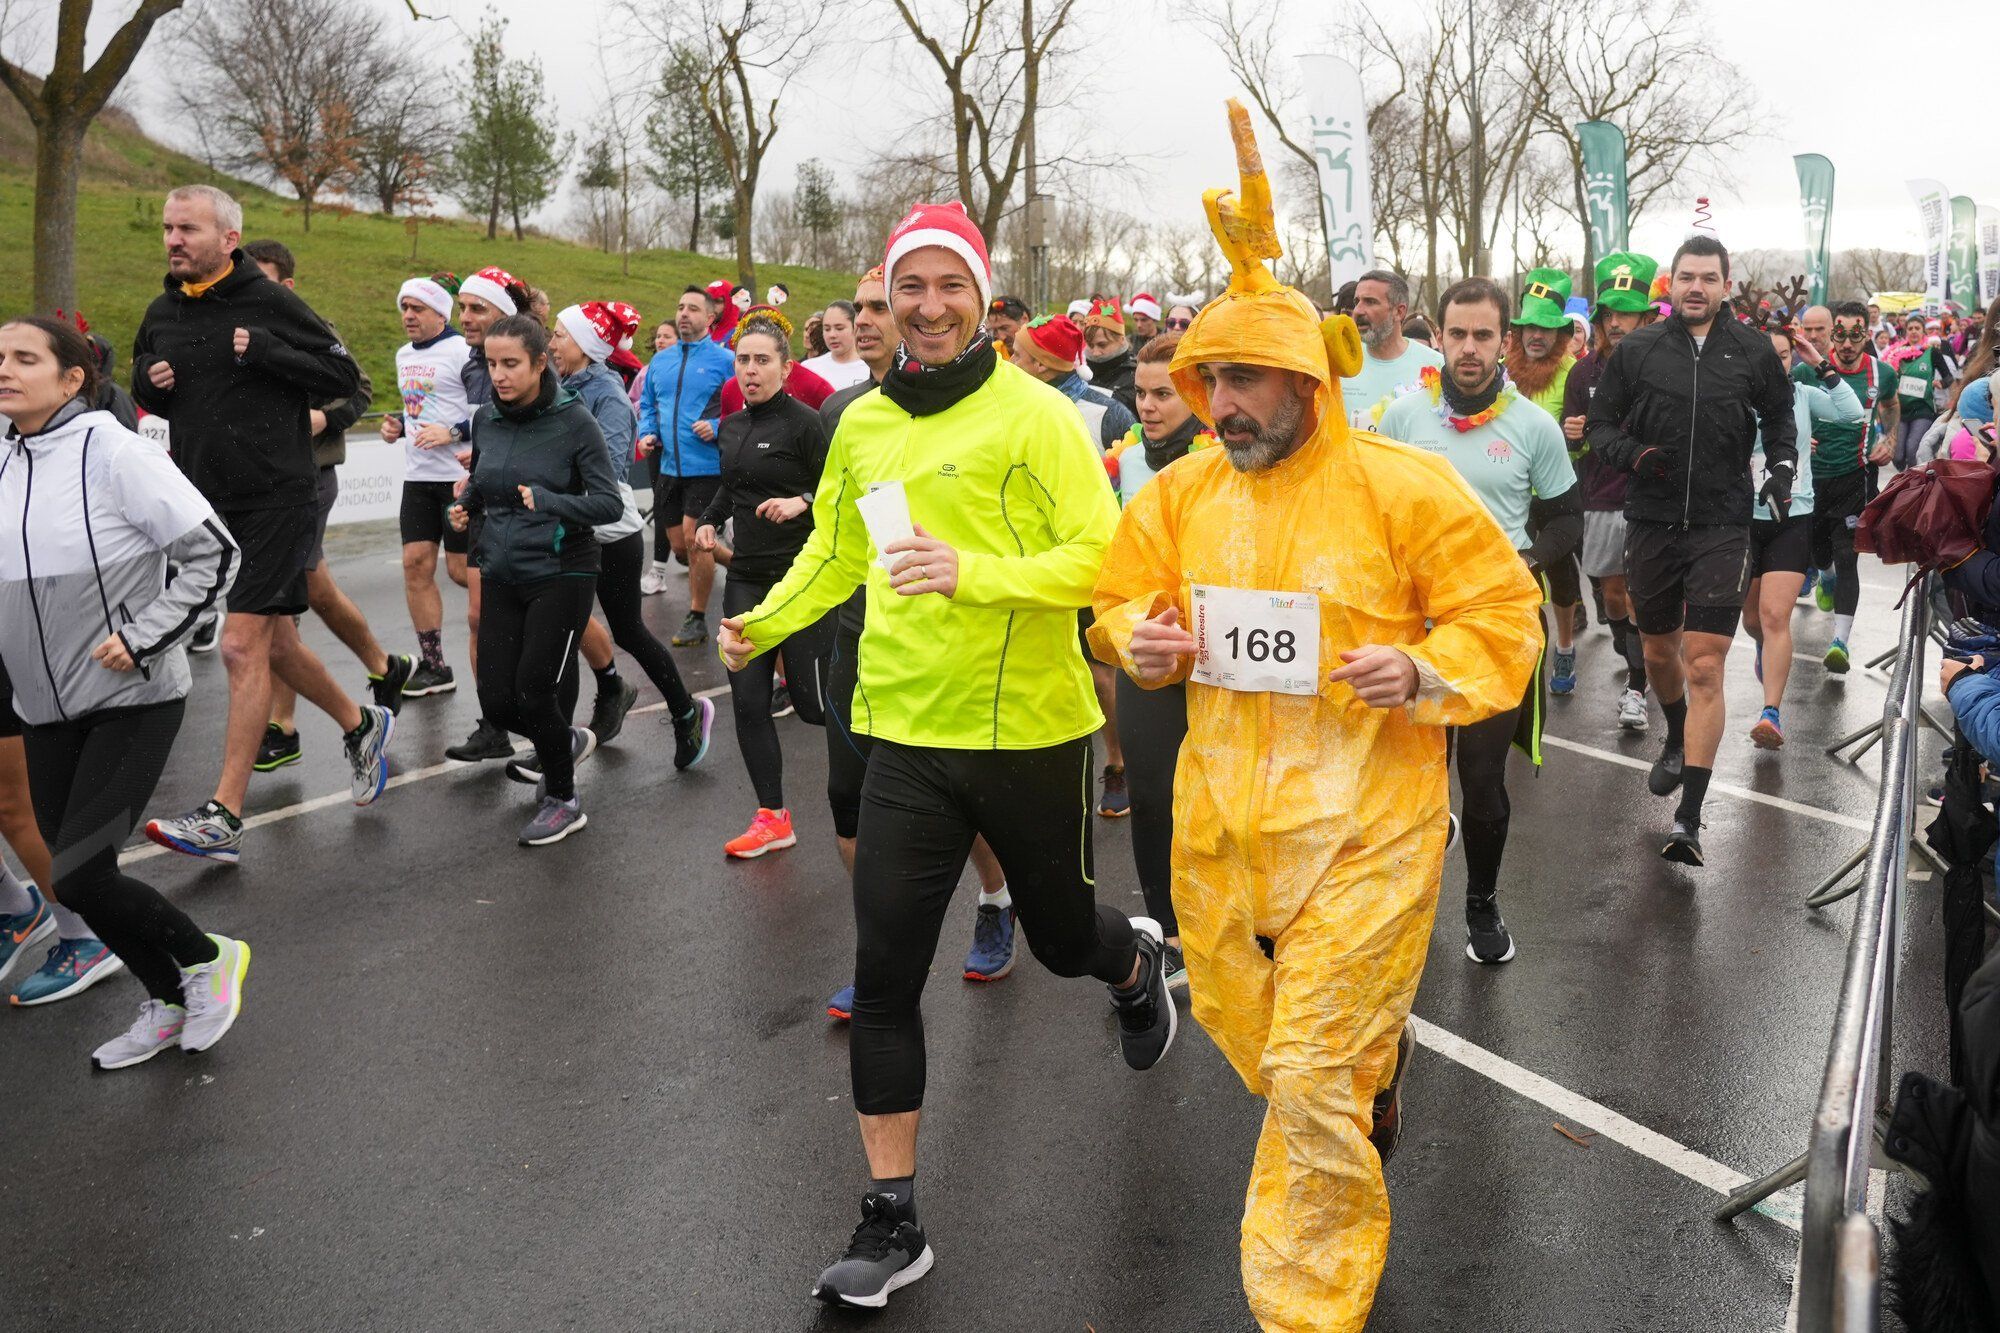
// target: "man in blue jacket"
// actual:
[[680, 408]]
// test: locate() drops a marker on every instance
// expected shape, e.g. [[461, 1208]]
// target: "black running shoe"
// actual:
[[1387, 1131], [781, 701], [1582, 621], [693, 631], [1683, 844], [1666, 771], [388, 687], [1146, 1017], [691, 731], [528, 768], [607, 714], [486, 742], [428, 680], [888, 1252], [278, 748], [1486, 937]]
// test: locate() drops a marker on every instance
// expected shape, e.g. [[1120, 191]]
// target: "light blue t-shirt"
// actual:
[[1811, 406], [1517, 457], [1381, 381]]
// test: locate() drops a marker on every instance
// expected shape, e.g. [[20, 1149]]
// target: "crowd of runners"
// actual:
[[1286, 568]]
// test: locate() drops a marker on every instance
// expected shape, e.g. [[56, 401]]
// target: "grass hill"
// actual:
[[350, 265]]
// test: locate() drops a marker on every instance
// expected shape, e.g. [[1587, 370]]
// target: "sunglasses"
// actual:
[[1180, 323], [1850, 335]]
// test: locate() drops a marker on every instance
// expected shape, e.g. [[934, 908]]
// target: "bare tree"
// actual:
[[1858, 274], [400, 134], [61, 105]]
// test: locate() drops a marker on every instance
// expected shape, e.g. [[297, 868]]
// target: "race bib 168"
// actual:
[[1253, 641]]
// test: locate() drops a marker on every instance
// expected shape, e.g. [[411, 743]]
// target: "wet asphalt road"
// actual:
[[592, 1087]]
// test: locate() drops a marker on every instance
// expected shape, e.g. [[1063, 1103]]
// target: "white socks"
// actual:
[[1002, 899], [69, 926], [1842, 627]]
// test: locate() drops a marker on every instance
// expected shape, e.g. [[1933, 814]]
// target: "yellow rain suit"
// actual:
[[1314, 821]]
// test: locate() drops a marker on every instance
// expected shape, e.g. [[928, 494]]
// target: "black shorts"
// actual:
[[1781, 548], [690, 496], [277, 547], [1565, 582], [329, 495], [1686, 577], [426, 518], [10, 722]]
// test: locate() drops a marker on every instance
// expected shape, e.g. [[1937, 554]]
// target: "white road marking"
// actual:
[[1730, 788]]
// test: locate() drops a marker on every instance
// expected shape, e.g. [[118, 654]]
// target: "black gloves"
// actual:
[[1650, 462], [1777, 491]]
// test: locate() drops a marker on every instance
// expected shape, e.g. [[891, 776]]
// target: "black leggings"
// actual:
[[920, 810], [528, 633], [846, 749], [1151, 726], [750, 690], [1485, 810], [1835, 502], [90, 778], [618, 594]]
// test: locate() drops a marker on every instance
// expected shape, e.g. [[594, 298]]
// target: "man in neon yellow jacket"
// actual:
[[972, 686], [1335, 601]]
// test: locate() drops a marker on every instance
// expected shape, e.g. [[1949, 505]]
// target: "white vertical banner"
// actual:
[[1988, 229], [1338, 117], [1934, 205]]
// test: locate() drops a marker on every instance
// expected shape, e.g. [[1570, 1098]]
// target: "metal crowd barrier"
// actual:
[[1839, 1247]]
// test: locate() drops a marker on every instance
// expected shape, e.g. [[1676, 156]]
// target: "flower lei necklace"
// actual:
[[1433, 382]]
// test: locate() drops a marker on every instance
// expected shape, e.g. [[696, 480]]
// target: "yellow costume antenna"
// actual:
[[1243, 221]]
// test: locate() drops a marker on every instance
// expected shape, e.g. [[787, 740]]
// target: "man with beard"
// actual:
[[1389, 361], [1842, 463], [1679, 407], [1623, 281], [1110, 355], [1538, 364], [1510, 451], [1323, 662]]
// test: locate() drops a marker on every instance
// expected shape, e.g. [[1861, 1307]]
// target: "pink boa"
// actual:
[[1904, 352]]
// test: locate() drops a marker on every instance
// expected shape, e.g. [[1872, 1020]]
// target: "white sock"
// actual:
[[659, 566], [70, 926], [1000, 899], [1842, 627], [14, 896]]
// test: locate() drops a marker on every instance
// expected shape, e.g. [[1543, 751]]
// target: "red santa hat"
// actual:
[[947, 226], [1105, 314], [1144, 304], [491, 285], [596, 327], [1056, 342]]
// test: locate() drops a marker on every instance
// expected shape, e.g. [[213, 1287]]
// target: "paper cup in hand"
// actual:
[[886, 512]]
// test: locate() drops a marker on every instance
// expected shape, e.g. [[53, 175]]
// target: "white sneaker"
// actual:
[[214, 994], [654, 581], [159, 1026], [1632, 711]]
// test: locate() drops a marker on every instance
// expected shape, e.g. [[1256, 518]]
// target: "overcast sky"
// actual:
[[1155, 91]]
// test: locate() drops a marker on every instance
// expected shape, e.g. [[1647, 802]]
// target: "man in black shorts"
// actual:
[[680, 409], [234, 361], [1680, 407]]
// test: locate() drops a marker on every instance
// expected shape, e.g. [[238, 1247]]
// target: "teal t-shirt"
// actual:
[[1381, 381], [1517, 457]]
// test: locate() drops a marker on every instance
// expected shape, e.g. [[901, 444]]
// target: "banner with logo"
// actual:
[[1604, 196], [1934, 208], [1987, 223], [1816, 199], [1338, 119], [1962, 269]]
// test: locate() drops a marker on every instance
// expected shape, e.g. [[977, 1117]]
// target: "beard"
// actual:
[[1374, 334], [1531, 376], [1271, 442]]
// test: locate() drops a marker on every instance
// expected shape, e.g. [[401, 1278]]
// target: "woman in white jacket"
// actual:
[[91, 632]]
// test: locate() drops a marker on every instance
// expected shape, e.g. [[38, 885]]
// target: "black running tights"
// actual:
[[1151, 726], [618, 594], [528, 634], [1484, 808], [90, 778], [750, 690]]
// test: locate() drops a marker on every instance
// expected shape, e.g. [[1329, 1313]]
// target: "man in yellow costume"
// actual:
[[1334, 601]]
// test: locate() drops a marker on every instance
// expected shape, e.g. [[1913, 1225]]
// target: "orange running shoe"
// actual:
[[770, 831]]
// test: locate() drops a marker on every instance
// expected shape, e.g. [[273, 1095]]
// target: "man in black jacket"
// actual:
[[1679, 407], [234, 362]]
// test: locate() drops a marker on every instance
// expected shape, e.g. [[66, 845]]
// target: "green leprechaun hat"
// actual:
[[1543, 297], [1625, 282]]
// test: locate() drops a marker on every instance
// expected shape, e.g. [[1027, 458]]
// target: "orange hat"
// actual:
[[1105, 314]]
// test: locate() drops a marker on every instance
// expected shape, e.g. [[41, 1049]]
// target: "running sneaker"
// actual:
[[1683, 844], [1806, 588], [841, 1007], [607, 713], [1486, 937], [1116, 802], [1757, 663], [554, 821], [1836, 657], [368, 754], [1387, 1130], [528, 768], [654, 581], [159, 1026], [992, 955], [1562, 679], [72, 968], [1582, 618], [1769, 733], [427, 680], [1665, 775], [693, 631], [278, 748], [388, 688], [1632, 711], [1823, 594], [1934, 796], [691, 732], [781, 701], [22, 931], [888, 1252], [770, 831], [1176, 965], [486, 742], [210, 832], [207, 635], [1452, 830], [213, 993], [1146, 1016]]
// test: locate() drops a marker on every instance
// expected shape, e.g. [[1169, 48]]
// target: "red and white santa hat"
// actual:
[[597, 327], [1143, 304], [1055, 342], [490, 285], [943, 225]]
